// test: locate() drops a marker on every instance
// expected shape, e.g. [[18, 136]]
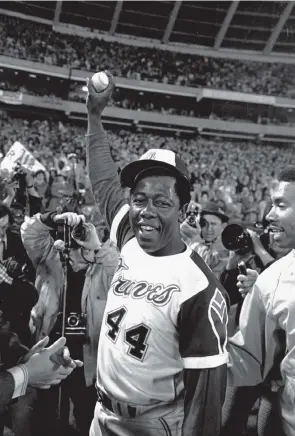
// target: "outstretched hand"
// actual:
[[97, 101], [49, 366]]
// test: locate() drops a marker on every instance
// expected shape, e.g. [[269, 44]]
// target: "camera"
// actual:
[[19, 174], [192, 215], [80, 232], [75, 324], [235, 238]]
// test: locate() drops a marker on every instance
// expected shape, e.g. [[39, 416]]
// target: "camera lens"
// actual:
[[235, 238], [73, 320], [191, 220]]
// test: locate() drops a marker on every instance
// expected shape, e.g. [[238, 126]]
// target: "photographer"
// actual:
[[202, 229], [257, 253], [89, 274], [20, 189], [11, 246], [258, 250], [253, 254]]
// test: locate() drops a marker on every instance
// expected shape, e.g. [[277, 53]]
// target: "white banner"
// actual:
[[19, 154], [10, 97]]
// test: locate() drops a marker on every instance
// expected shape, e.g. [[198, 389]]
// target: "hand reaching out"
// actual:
[[49, 366]]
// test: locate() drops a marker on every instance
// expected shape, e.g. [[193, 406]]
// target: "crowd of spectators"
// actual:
[[38, 42], [236, 175], [140, 101]]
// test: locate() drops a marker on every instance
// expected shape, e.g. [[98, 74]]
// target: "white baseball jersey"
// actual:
[[163, 314]]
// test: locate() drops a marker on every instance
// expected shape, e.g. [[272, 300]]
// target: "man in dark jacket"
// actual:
[[11, 246]]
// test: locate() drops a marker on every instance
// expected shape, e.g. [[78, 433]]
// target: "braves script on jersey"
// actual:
[[163, 314]]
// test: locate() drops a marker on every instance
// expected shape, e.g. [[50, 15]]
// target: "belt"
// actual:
[[115, 406]]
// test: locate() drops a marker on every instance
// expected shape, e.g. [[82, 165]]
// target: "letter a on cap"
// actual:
[[166, 156]]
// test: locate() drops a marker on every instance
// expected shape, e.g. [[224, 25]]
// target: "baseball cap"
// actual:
[[71, 155], [211, 208], [156, 159]]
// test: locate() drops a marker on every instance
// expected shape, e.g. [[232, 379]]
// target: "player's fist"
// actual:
[[97, 101]]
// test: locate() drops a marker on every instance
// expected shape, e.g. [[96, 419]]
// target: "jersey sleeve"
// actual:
[[104, 177], [121, 231], [107, 188], [202, 324]]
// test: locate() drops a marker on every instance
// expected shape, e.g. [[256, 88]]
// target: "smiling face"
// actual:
[[155, 215], [282, 214]]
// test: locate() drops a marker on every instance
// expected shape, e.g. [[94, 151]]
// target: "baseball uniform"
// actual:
[[163, 315]]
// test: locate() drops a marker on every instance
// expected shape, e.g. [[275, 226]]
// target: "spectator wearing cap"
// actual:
[[205, 237]]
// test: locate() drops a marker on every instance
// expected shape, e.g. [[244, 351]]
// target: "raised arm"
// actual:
[[36, 238], [102, 169]]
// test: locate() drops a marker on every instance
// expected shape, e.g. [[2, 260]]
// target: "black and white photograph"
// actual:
[[147, 218]]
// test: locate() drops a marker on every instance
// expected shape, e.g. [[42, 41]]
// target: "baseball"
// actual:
[[100, 81]]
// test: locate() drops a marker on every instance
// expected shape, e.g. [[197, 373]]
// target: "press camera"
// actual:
[[75, 324]]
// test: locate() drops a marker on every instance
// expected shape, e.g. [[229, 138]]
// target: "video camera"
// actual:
[[237, 238]]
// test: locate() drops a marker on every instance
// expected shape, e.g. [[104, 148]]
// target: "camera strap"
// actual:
[[86, 260]]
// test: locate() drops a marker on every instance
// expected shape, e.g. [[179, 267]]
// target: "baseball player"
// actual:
[[162, 356]]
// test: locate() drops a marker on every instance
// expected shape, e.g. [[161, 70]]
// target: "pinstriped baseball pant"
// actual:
[[151, 423]]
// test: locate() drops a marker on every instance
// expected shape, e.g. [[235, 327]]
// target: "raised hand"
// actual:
[[97, 101], [190, 234]]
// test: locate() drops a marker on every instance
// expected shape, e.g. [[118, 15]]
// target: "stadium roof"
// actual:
[[267, 27]]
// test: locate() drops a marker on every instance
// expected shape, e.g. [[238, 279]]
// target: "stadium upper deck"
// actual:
[[266, 27]]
